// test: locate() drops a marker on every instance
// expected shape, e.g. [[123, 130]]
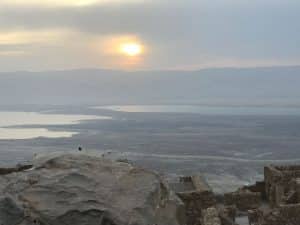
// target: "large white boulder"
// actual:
[[81, 189]]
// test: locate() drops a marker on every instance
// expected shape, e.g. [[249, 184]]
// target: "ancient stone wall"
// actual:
[[197, 197], [282, 215], [210, 216], [278, 182], [297, 189], [258, 187], [195, 202], [272, 177], [227, 215], [243, 200], [288, 167]]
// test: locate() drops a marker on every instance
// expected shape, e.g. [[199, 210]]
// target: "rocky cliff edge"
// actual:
[[82, 189]]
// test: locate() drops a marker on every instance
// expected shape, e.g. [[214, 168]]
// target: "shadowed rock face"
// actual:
[[10, 213], [78, 189]]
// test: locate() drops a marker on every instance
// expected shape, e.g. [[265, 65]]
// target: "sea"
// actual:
[[228, 145]]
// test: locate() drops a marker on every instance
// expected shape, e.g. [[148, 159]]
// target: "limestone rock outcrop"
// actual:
[[80, 189]]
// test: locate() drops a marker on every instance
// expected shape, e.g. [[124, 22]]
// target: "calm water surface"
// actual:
[[11, 124], [208, 110]]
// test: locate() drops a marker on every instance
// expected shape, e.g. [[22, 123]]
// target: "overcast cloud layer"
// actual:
[[177, 34]]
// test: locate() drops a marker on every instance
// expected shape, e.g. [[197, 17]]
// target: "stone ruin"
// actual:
[[282, 189], [274, 201], [198, 199]]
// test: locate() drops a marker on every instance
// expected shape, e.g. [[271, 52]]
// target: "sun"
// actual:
[[131, 49]]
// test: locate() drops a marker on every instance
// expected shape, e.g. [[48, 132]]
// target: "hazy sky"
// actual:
[[160, 34]]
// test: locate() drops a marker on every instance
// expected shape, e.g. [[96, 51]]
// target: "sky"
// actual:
[[38, 35]]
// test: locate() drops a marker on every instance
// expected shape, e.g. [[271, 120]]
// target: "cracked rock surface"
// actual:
[[81, 189]]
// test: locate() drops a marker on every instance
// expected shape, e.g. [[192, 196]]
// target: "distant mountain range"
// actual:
[[228, 86]]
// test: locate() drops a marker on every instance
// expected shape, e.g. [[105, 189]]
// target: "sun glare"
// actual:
[[124, 51], [131, 49]]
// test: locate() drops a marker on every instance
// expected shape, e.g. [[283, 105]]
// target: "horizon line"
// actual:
[[152, 70]]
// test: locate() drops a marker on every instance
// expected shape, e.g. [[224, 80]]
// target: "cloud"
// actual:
[[18, 37], [60, 3], [177, 33], [12, 53]]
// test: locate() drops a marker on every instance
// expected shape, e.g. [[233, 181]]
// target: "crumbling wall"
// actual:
[[253, 216], [227, 215], [278, 182], [290, 214], [210, 216], [282, 215], [274, 201], [195, 202], [272, 177], [243, 200], [199, 198], [258, 187], [297, 189]]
